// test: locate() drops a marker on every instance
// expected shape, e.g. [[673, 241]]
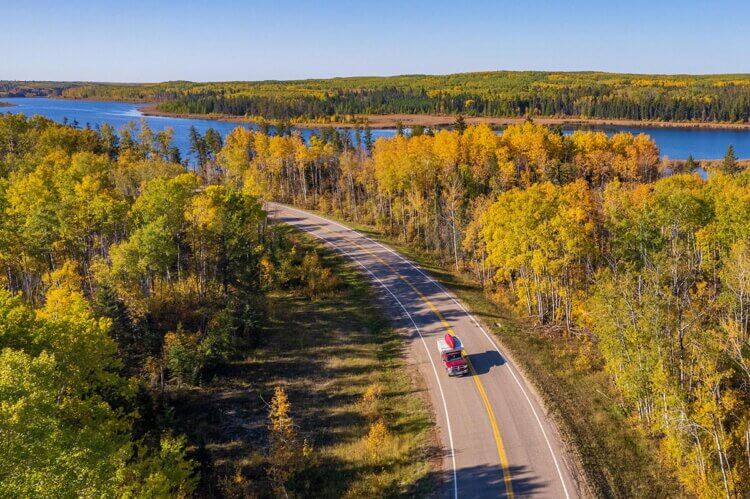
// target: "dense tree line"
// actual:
[[587, 234], [724, 105], [34, 88], [707, 98]]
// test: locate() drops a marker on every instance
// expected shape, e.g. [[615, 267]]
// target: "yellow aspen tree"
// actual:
[[376, 440], [283, 451]]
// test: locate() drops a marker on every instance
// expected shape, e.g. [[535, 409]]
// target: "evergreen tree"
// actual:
[[174, 155], [264, 127], [109, 139], [368, 137], [460, 124], [213, 141], [729, 164], [690, 164], [199, 148]]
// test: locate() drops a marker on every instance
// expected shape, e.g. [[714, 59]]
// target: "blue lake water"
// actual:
[[680, 142], [675, 143], [118, 114]]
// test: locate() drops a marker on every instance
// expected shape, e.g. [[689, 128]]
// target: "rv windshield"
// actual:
[[450, 357]]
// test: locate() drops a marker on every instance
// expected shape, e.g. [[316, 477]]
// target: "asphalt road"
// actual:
[[497, 438]]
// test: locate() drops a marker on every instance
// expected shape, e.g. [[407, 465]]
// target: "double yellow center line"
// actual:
[[480, 387]]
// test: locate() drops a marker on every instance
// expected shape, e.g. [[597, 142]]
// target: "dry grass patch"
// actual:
[[341, 364]]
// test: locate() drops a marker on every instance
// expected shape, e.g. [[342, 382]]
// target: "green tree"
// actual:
[[213, 141], [62, 437], [459, 125], [109, 139], [55, 443], [729, 164], [199, 148], [399, 128], [368, 137], [690, 164]]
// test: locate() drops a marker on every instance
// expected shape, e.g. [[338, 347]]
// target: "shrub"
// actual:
[[370, 403], [377, 439], [317, 280], [184, 358]]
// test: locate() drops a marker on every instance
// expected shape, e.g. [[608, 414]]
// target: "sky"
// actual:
[[220, 40]]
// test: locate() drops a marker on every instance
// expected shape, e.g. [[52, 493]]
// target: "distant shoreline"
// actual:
[[409, 120], [390, 121]]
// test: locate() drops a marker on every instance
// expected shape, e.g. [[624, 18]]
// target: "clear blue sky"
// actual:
[[134, 40]]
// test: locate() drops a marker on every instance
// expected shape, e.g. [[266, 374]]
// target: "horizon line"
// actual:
[[363, 76]]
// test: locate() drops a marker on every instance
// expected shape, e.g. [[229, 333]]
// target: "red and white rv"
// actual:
[[451, 353]]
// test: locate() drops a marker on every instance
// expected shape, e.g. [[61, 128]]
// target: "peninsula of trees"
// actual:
[[669, 98]]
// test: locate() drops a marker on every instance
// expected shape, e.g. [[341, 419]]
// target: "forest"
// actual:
[[646, 266], [129, 282], [121, 274], [34, 88], [707, 98], [124, 272], [696, 98]]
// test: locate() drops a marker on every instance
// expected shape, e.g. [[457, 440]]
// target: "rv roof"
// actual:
[[444, 347]]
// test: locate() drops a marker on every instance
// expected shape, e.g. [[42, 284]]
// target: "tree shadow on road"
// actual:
[[485, 361], [487, 481]]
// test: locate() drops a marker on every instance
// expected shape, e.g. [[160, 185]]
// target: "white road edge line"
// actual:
[[424, 343], [475, 321]]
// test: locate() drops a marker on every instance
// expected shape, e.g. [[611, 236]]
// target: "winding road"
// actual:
[[497, 438]]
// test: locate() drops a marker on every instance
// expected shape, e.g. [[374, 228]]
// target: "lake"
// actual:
[[675, 143], [117, 114]]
